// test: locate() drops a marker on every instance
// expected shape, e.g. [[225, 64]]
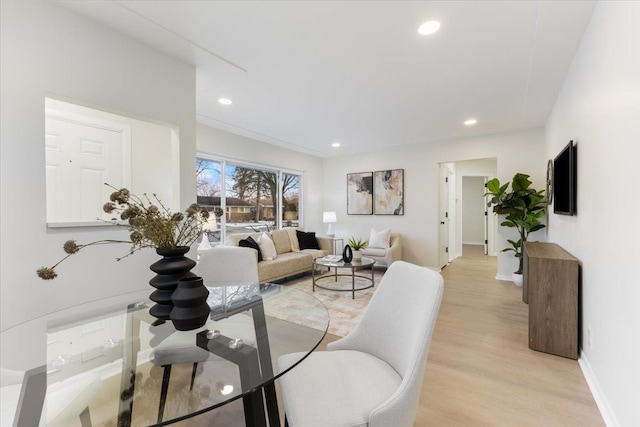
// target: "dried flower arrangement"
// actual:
[[150, 226]]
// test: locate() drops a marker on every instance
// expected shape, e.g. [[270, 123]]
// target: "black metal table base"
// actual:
[[335, 276], [254, 364]]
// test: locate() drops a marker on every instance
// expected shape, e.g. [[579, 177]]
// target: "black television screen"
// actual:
[[565, 180]]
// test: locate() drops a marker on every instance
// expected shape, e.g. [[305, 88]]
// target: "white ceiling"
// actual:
[[304, 74]]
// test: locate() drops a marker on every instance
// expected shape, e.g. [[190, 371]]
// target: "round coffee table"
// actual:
[[354, 265]]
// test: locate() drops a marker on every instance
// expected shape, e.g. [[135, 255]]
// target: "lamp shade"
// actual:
[[211, 224], [329, 217]]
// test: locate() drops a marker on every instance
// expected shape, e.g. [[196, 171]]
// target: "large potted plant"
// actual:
[[523, 207]]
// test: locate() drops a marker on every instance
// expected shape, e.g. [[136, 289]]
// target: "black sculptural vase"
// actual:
[[347, 254], [190, 308], [172, 267]]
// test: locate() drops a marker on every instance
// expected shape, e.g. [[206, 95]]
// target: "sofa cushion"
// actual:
[[379, 239], [316, 253], [285, 265], [307, 240], [250, 243], [267, 247], [281, 241]]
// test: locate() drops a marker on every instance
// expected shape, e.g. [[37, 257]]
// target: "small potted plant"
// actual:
[[357, 245], [523, 207]]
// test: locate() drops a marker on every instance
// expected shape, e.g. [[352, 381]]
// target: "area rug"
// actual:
[[344, 312]]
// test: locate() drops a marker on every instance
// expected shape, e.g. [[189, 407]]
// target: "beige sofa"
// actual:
[[290, 259]]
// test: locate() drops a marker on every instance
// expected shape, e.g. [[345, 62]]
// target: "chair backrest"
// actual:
[[397, 328], [228, 265]]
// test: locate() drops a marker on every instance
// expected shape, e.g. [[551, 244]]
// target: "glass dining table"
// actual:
[[96, 363]]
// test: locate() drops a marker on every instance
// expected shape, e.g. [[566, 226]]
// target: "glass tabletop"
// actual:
[[339, 263], [110, 353]]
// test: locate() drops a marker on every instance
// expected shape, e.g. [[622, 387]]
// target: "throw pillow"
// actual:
[[267, 247], [307, 240], [379, 239], [295, 246], [250, 243]]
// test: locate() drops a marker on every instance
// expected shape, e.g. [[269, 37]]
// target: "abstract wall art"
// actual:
[[360, 193], [388, 192]]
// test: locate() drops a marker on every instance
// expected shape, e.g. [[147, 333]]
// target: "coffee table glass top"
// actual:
[[328, 262], [113, 341]]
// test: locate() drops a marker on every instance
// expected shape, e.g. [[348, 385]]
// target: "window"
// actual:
[[290, 200], [246, 198]]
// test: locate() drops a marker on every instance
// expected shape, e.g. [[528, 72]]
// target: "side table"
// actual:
[[337, 250]]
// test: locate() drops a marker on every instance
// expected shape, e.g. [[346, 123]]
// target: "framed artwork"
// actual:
[[388, 192], [360, 193]]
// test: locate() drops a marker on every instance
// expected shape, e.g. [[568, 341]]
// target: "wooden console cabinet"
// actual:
[[550, 287]]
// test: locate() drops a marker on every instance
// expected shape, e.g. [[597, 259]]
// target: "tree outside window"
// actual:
[[251, 196]]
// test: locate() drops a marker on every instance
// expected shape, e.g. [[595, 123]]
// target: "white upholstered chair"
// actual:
[[373, 376], [222, 266], [227, 265], [385, 255]]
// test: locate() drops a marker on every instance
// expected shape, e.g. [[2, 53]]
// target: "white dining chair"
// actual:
[[222, 266], [373, 376]]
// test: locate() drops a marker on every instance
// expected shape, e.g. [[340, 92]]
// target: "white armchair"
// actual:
[[373, 376], [384, 257]]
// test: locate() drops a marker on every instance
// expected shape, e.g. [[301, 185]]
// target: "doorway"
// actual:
[[474, 213], [475, 173]]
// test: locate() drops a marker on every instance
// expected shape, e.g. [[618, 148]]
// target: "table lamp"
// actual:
[[329, 218], [210, 225]]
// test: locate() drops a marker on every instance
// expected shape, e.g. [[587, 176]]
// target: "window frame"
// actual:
[[279, 171]]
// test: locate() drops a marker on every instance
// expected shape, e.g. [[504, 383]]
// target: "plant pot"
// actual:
[[357, 255], [172, 267], [190, 308], [517, 279]]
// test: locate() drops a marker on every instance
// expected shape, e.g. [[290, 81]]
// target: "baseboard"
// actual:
[[506, 277], [473, 243], [607, 413]]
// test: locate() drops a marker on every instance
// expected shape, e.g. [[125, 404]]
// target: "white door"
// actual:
[[443, 226], [486, 218], [80, 158]]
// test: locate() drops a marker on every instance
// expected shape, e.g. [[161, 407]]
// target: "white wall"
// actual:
[[599, 107], [472, 210], [217, 142], [515, 152], [47, 50]]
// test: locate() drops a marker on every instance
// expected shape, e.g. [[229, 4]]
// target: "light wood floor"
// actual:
[[480, 371]]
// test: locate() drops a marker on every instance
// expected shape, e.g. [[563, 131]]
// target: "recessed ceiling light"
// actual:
[[225, 101], [470, 122], [429, 27], [335, 145]]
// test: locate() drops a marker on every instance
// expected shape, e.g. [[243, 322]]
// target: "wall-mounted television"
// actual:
[[565, 177]]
